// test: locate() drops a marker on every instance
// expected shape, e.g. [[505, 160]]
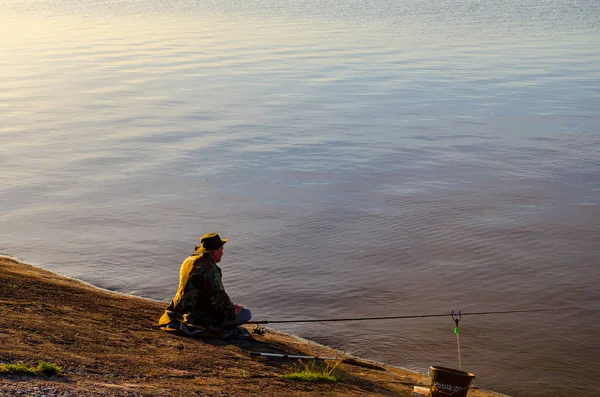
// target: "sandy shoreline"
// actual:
[[106, 345]]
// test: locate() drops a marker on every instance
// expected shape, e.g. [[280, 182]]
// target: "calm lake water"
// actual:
[[365, 158]]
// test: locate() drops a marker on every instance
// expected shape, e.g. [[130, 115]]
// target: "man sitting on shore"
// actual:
[[201, 302]]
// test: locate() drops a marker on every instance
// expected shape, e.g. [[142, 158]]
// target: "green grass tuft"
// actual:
[[18, 369], [314, 372], [309, 376], [43, 368], [48, 369]]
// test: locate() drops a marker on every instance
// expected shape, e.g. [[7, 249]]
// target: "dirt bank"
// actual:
[[106, 345]]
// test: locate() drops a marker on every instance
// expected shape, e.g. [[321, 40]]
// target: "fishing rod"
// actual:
[[323, 320], [344, 359], [456, 317], [292, 356]]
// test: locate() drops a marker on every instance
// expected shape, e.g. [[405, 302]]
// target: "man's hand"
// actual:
[[238, 309]]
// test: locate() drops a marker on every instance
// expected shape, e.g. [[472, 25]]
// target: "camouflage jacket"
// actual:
[[201, 298]]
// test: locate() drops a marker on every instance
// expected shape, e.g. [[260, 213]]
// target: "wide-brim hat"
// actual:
[[210, 242]]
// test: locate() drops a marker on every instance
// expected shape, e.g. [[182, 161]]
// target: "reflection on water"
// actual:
[[365, 159]]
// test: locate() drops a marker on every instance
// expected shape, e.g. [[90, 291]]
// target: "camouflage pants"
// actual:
[[242, 318]]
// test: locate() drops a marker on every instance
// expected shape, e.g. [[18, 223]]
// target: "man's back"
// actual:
[[201, 298]]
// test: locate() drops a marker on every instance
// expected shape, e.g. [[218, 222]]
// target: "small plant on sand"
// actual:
[[48, 369], [313, 371], [43, 368], [17, 369]]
